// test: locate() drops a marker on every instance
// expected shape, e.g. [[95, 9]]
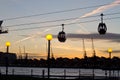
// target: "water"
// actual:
[[56, 71]]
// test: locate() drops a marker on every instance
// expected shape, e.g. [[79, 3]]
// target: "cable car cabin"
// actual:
[[62, 36], [102, 28], [1, 30]]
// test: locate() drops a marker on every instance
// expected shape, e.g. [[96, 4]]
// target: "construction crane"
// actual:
[[94, 53], [85, 55]]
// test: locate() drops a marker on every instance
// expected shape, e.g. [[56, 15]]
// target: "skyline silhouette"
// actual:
[[28, 25]]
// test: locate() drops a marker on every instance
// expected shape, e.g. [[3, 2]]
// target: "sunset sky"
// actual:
[[28, 22]]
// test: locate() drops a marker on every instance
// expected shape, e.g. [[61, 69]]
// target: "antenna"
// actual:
[[26, 54], [52, 55], [46, 48], [85, 55], [94, 53], [24, 49], [19, 50], [20, 57]]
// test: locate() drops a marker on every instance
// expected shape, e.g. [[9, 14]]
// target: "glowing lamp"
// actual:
[[49, 37], [8, 44], [109, 50]]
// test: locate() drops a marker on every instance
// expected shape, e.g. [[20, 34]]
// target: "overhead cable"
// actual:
[[73, 18], [54, 12], [65, 24]]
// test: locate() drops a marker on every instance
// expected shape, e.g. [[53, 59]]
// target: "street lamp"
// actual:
[[7, 51], [110, 51], [7, 45], [49, 38]]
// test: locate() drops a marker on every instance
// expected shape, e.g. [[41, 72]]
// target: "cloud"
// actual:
[[114, 37], [102, 8], [114, 51], [95, 11], [68, 47], [27, 37]]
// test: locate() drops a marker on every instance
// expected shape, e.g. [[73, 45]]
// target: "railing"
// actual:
[[62, 73]]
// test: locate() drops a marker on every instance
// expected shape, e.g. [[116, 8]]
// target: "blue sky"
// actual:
[[34, 39]]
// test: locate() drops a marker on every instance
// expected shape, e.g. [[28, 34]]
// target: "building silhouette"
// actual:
[[11, 58]]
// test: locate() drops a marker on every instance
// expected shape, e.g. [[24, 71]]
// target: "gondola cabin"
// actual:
[[62, 35], [1, 29], [102, 28]]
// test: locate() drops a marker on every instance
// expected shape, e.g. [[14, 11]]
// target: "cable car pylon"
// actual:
[[102, 26], [62, 35]]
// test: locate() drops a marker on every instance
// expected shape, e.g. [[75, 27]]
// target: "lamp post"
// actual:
[[49, 38], [7, 51], [110, 51], [7, 45]]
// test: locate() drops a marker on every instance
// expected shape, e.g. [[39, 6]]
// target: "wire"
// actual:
[[69, 10], [47, 21], [60, 20], [65, 24], [33, 28]]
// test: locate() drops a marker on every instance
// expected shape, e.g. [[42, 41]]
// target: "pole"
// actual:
[[7, 60], [64, 74], [13, 71], [79, 73], [110, 55], [48, 59], [7, 49], [31, 72], [110, 64], [93, 73], [43, 74]]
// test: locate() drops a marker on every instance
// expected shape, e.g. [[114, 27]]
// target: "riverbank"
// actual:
[[23, 77]]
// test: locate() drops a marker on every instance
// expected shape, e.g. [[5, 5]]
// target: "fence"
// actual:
[[60, 73]]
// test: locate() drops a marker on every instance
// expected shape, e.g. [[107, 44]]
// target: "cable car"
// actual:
[[102, 27], [62, 35]]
